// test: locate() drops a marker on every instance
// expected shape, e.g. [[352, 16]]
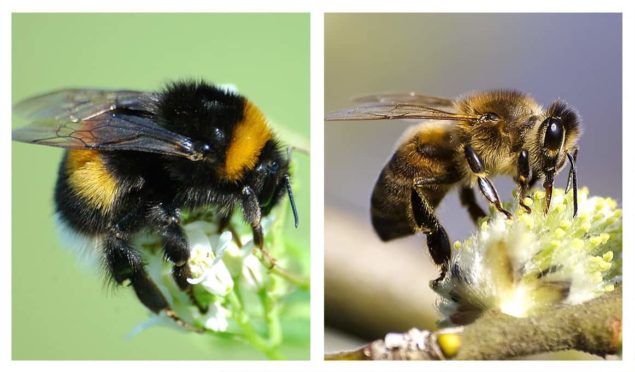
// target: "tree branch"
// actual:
[[593, 327]]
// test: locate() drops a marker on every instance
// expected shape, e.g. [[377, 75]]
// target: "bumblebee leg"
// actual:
[[468, 200], [523, 178], [125, 264], [167, 222], [423, 214], [487, 187], [252, 214]]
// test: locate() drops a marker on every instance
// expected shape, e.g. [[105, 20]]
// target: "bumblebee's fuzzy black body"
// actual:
[[217, 150]]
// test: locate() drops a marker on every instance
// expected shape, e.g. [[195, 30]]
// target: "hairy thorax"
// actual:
[[494, 144]]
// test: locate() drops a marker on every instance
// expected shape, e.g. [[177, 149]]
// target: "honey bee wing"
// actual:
[[99, 120], [391, 111], [409, 97]]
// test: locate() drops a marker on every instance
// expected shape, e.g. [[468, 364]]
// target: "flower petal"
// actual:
[[221, 246], [217, 319]]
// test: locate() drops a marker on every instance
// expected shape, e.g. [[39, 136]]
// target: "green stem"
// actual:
[[249, 333], [272, 317], [302, 283]]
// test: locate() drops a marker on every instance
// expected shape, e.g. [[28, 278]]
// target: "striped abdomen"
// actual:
[[428, 152], [86, 190]]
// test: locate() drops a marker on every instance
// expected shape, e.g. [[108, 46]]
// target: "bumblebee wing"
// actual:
[[409, 97], [101, 120], [81, 103], [392, 110]]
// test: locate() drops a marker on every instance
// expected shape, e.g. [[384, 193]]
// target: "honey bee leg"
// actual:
[[252, 214], [468, 200], [523, 178], [572, 180], [167, 222], [485, 185], [572, 171], [437, 238]]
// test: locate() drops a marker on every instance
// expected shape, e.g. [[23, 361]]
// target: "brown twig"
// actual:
[[593, 327]]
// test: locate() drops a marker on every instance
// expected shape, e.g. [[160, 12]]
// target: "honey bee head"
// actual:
[[557, 135]]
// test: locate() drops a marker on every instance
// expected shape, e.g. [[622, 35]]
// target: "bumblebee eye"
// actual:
[[273, 167], [489, 116], [201, 151], [554, 136]]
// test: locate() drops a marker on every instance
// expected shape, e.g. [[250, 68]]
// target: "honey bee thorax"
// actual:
[[497, 156], [497, 163], [497, 145]]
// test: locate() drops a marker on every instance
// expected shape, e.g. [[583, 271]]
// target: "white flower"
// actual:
[[252, 271], [242, 261], [234, 255], [217, 318], [216, 262], [206, 263]]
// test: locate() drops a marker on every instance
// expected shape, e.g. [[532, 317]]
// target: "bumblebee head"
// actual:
[[233, 141], [270, 179]]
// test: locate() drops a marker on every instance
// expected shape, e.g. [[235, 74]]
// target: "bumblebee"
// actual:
[[463, 143], [135, 159]]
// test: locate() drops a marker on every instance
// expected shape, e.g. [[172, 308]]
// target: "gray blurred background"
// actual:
[[373, 287]]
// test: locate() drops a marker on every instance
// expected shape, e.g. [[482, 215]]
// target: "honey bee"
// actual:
[[463, 143]]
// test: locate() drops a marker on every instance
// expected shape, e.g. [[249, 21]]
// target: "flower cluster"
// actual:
[[231, 279], [535, 260], [216, 262]]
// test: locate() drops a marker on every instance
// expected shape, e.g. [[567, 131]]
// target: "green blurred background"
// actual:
[[63, 311]]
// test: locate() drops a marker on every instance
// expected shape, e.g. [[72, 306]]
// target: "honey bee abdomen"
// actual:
[[391, 212], [429, 154], [389, 205]]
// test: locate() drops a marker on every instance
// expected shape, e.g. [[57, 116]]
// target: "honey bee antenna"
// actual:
[[290, 192]]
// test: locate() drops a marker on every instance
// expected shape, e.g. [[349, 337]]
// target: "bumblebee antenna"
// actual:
[[287, 183], [290, 192]]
